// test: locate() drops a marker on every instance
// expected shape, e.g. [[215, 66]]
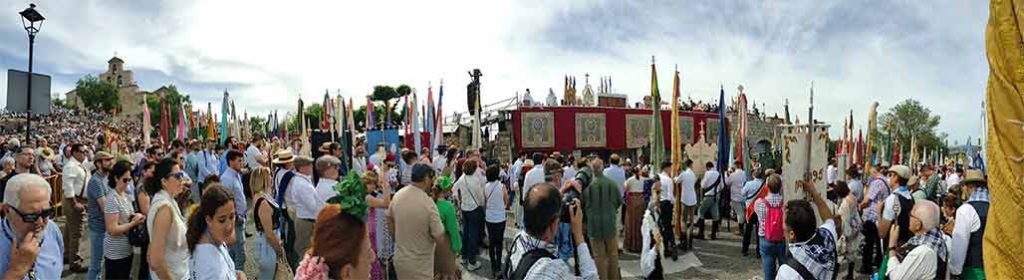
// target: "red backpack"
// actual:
[[773, 223]]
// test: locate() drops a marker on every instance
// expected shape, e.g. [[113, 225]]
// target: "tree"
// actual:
[[385, 94], [258, 125], [174, 100], [313, 112], [59, 103], [907, 120], [98, 94]]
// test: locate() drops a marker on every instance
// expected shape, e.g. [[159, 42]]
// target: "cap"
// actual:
[[302, 161], [103, 155], [901, 170]]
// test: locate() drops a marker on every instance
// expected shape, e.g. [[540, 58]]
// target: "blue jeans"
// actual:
[[563, 239], [237, 251], [773, 255], [267, 257], [95, 254]]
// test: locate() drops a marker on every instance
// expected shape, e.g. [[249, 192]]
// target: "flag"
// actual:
[[677, 148], [723, 135], [209, 122], [415, 125], [224, 119], [428, 119], [741, 133], [146, 126], [1004, 151], [439, 118], [860, 146], [180, 133], [325, 114], [369, 115], [165, 121], [657, 141]]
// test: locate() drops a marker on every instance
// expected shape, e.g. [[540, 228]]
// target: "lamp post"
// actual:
[[29, 19]]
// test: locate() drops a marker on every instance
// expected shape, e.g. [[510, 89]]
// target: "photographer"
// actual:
[[532, 255]]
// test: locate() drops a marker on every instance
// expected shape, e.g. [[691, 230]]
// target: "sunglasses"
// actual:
[[126, 180], [33, 217]]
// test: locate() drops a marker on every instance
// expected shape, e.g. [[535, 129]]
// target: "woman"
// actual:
[[496, 200], [651, 251], [210, 229], [445, 264], [268, 245], [634, 211], [379, 198], [142, 200], [168, 253], [851, 237], [341, 246], [120, 217]]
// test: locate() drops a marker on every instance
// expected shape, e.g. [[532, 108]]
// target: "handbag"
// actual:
[[283, 271], [138, 236]]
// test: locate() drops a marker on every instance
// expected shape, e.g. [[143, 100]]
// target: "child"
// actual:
[[650, 256], [445, 264]]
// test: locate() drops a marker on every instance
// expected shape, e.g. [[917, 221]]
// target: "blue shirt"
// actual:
[[192, 166], [750, 190], [50, 262], [232, 182], [96, 188], [617, 175], [207, 166]]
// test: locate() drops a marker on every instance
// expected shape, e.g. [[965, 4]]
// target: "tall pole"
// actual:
[[810, 134], [28, 123]]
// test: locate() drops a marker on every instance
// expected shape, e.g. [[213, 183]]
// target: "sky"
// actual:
[[268, 53]]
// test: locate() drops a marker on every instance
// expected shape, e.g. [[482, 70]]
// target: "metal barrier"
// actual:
[[56, 193]]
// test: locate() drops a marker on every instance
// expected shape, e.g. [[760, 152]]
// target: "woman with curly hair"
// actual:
[[210, 229]]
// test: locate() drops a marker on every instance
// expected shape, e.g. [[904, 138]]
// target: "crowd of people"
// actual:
[[318, 212]]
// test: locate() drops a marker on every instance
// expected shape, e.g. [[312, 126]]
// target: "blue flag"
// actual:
[[723, 136]]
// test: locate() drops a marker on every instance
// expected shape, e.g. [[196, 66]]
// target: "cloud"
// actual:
[[268, 53]]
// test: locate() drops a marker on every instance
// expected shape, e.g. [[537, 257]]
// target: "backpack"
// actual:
[[773, 223], [529, 258]]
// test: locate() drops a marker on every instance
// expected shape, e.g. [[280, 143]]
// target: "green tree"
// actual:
[[385, 95], [258, 125], [98, 94], [59, 103], [174, 100], [905, 121], [313, 112]]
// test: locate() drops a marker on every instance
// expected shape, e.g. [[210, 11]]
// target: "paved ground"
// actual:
[[709, 259]]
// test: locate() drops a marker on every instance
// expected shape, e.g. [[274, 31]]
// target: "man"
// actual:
[[252, 152], [688, 199], [897, 205], [469, 191], [284, 172], [231, 179], [440, 160], [34, 244], [570, 170], [878, 191], [327, 168], [601, 201], [735, 182], [772, 246], [930, 182], [749, 192], [416, 226], [966, 258], [665, 183], [532, 256], [924, 255], [710, 185], [23, 163], [831, 176], [207, 163], [378, 157], [953, 178], [535, 175], [96, 193], [812, 250], [408, 158], [615, 173], [856, 188], [334, 149], [359, 158], [563, 238], [515, 170], [303, 204], [520, 195], [74, 181], [193, 164]]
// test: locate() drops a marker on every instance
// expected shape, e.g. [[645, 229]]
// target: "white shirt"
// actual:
[[568, 173], [377, 159], [952, 180], [533, 177], [920, 263], [666, 187], [689, 182], [831, 174], [470, 191], [710, 177], [212, 262], [494, 194], [889, 212], [359, 165], [250, 157], [302, 197], [967, 221], [648, 255], [325, 189], [75, 178], [440, 162], [735, 181]]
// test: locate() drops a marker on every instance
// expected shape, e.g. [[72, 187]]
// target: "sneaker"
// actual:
[[473, 266]]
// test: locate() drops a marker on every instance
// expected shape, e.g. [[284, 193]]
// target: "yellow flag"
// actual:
[[677, 150], [1004, 43]]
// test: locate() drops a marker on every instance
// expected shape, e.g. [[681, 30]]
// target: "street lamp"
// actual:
[[29, 18]]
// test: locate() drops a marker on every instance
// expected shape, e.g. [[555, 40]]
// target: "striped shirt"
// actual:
[[116, 247]]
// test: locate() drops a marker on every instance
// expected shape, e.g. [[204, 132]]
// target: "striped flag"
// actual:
[[146, 122], [370, 120], [439, 118], [657, 131]]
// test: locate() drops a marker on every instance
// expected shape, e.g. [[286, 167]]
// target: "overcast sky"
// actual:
[[267, 53]]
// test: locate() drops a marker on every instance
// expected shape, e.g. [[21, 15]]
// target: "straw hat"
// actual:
[[283, 157], [325, 147], [973, 176], [103, 155], [47, 153]]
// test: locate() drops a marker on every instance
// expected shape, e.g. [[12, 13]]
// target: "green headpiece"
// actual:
[[351, 196], [445, 183]]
